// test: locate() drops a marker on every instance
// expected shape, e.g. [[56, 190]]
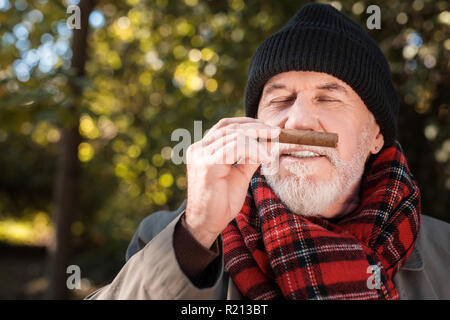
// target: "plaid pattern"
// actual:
[[271, 253]]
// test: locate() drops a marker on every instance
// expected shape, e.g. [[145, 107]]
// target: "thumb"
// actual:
[[244, 171]]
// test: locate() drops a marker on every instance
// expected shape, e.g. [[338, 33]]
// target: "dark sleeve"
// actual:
[[194, 259]]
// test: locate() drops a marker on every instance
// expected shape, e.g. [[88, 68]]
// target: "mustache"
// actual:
[[330, 153]]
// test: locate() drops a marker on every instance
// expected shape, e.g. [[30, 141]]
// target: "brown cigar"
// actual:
[[308, 137]]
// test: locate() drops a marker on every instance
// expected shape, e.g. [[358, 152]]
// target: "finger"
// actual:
[[245, 170], [241, 140], [227, 121], [219, 143], [243, 150], [254, 130]]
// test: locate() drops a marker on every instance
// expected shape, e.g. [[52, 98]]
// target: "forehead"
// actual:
[[305, 80]]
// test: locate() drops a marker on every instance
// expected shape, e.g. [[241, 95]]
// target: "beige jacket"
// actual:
[[152, 270]]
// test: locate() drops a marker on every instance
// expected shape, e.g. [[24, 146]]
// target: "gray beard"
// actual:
[[302, 195]]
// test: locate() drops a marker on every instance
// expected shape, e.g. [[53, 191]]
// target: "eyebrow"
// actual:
[[332, 86], [272, 87]]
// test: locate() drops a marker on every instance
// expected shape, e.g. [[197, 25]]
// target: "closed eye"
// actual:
[[282, 101], [325, 99]]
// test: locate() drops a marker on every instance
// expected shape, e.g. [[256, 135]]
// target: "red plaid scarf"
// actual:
[[272, 253]]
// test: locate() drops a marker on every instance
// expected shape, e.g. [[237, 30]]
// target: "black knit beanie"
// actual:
[[320, 38]]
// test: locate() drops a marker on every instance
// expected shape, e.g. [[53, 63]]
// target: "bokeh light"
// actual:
[[5, 5], [96, 19]]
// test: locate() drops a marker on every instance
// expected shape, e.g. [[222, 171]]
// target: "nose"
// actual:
[[302, 115]]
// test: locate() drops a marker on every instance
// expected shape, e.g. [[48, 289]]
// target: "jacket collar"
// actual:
[[415, 261]]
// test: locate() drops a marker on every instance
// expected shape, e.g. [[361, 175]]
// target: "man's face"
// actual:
[[319, 185]]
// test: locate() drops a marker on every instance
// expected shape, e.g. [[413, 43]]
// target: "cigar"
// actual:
[[308, 137]]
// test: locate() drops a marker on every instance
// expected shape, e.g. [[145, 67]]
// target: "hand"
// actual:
[[219, 169]]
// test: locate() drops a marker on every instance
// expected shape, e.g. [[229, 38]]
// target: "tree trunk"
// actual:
[[67, 176]]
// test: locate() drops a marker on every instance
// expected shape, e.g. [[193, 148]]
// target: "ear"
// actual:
[[377, 142]]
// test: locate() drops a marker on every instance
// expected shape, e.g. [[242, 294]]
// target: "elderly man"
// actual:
[[323, 223]]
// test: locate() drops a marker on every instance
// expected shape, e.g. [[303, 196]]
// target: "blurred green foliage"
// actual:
[[157, 65]]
